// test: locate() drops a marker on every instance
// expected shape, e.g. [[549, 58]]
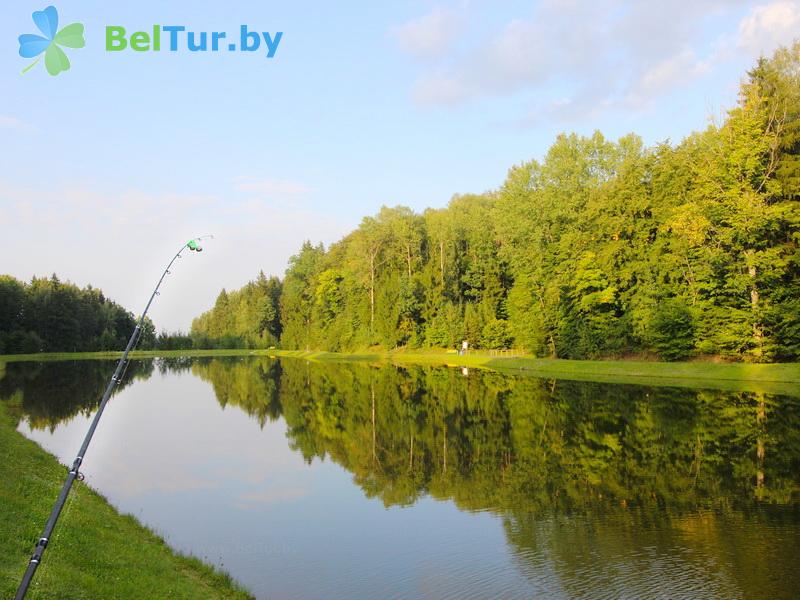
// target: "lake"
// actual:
[[353, 480]]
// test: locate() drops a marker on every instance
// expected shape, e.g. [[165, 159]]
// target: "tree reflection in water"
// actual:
[[574, 469]]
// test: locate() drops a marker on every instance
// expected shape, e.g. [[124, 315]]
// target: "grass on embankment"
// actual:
[[95, 552], [777, 378]]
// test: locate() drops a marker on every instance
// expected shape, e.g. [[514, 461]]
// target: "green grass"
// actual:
[[95, 551], [777, 378]]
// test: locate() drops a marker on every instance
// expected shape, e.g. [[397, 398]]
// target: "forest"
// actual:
[[48, 315], [602, 248]]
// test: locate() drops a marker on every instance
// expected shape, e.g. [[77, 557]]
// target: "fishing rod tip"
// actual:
[[194, 243]]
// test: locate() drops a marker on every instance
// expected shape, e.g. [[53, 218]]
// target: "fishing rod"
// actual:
[[193, 245]]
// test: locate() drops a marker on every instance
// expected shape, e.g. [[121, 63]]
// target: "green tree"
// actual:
[[673, 330]]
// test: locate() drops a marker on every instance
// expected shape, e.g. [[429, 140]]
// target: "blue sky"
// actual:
[[108, 167]]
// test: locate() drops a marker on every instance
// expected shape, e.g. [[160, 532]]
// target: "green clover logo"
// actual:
[[31, 45]]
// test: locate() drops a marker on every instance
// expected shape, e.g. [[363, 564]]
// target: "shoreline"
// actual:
[[778, 378], [97, 551]]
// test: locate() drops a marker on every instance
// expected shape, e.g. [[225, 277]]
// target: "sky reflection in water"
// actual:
[[351, 481]]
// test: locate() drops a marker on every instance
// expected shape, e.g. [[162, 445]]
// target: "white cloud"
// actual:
[[429, 36], [665, 75], [512, 59], [769, 26], [569, 58], [440, 89], [516, 57]]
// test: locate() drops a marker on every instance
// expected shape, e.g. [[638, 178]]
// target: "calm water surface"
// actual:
[[355, 481]]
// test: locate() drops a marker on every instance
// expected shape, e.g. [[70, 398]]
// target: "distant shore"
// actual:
[[778, 378]]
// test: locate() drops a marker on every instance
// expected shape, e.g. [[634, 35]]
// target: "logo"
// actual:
[[174, 38], [50, 42], [178, 37]]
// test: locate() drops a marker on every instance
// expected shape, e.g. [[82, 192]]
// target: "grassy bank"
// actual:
[[95, 552], [783, 378], [779, 378]]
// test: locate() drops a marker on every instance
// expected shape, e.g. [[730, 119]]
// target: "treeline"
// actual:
[[245, 318], [48, 315], [603, 248]]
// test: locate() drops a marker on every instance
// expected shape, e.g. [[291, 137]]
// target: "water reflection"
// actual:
[[492, 440], [47, 393], [598, 489]]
